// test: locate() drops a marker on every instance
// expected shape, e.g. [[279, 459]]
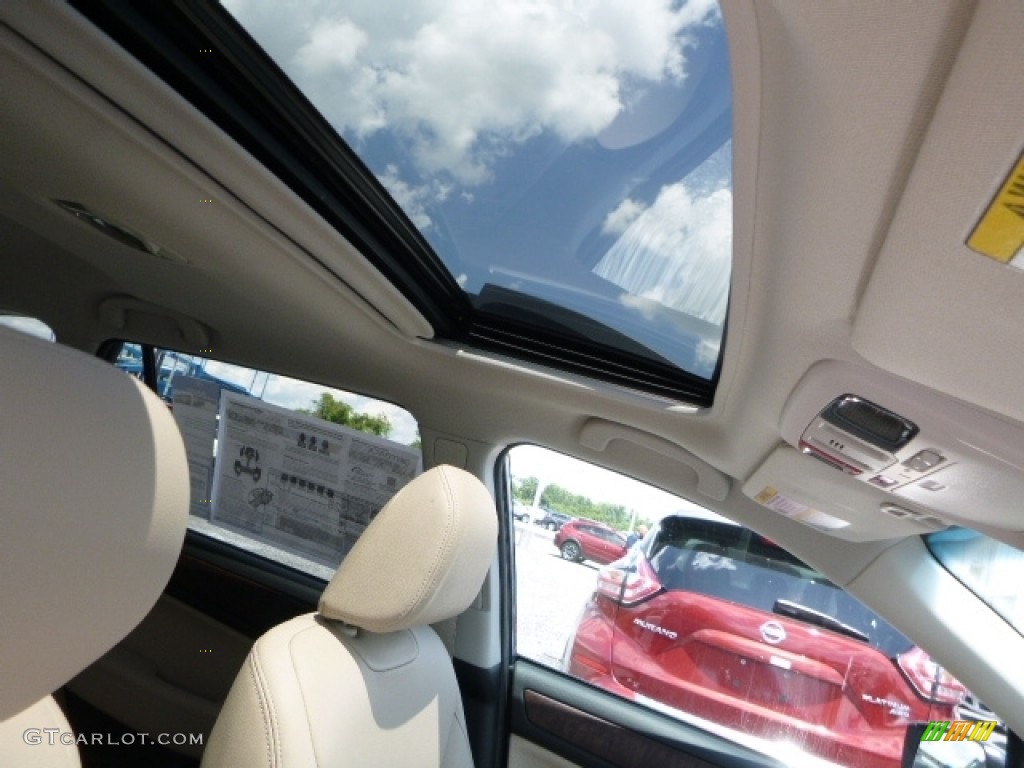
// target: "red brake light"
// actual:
[[628, 587], [931, 681]]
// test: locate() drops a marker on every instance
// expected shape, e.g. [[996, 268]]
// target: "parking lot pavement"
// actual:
[[550, 594]]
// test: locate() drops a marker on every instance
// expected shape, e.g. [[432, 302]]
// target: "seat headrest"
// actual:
[[422, 560], [94, 503]]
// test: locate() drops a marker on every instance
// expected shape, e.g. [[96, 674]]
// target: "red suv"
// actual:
[[580, 540], [712, 620]]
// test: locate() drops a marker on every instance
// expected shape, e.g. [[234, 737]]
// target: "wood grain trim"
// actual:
[[602, 738]]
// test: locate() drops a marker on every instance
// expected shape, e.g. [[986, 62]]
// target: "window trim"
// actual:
[[110, 350]]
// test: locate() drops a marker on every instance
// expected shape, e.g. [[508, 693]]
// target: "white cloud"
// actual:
[[335, 45], [413, 200], [677, 252], [618, 220], [462, 81]]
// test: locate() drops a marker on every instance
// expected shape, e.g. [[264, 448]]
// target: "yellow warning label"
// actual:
[[1000, 233]]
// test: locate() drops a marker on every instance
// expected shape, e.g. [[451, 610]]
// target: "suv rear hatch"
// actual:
[[716, 621]]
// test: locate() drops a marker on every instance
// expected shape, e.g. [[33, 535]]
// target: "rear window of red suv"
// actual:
[[731, 563]]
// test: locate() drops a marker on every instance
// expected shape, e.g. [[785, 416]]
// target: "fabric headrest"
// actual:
[[422, 560], [94, 507]]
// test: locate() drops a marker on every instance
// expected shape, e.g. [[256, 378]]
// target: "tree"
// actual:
[[562, 500], [524, 489], [339, 412]]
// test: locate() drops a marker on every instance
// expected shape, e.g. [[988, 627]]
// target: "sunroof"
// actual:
[[569, 163]]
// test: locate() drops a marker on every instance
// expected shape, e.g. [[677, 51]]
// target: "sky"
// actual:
[[293, 393], [463, 83], [564, 149], [599, 484]]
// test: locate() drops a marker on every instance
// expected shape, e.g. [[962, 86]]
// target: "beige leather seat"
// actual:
[[365, 681], [94, 498]]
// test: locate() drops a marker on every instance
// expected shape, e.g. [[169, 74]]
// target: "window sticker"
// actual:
[[300, 483], [195, 410]]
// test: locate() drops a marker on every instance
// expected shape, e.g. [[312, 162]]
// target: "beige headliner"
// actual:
[[868, 138]]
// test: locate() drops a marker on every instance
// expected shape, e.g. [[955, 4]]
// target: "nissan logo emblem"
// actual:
[[773, 632]]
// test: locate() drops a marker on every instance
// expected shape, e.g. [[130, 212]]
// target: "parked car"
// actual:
[[580, 540], [763, 257], [715, 621], [519, 512], [552, 520], [526, 513]]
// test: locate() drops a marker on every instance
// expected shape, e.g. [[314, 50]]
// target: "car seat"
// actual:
[[94, 508], [365, 681]]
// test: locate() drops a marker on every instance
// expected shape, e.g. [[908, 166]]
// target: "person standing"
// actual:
[[636, 535]]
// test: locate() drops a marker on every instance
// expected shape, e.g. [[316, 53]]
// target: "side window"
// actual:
[[287, 469], [711, 623]]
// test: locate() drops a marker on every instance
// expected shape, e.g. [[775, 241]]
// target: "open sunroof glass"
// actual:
[[569, 163]]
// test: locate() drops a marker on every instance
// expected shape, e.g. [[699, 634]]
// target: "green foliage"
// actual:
[[524, 490], [342, 413], [562, 500]]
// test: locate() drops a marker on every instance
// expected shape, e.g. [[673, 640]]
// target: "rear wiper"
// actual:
[[819, 619]]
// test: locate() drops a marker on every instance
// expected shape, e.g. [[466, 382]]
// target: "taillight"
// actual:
[[628, 587], [930, 680]]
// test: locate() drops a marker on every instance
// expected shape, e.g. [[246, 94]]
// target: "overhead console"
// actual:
[[860, 437], [916, 455]]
